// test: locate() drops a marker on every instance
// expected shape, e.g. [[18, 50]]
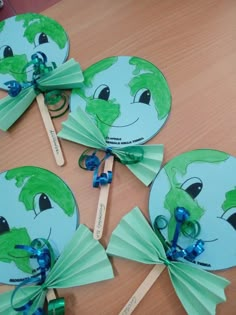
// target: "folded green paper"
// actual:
[[144, 161], [198, 290], [83, 261], [66, 76]]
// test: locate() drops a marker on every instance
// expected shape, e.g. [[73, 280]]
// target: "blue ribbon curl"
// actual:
[[92, 163], [42, 251], [192, 251]]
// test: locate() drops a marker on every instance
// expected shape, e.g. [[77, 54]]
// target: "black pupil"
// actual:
[[43, 38], [194, 189], [104, 94], [232, 220], [44, 202], [145, 97], [4, 227], [7, 52]]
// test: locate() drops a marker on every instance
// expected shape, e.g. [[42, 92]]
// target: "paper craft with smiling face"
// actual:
[[35, 203], [22, 36], [203, 182], [127, 97], [124, 101], [33, 48]]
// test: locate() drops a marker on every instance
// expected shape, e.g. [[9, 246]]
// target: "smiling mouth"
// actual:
[[209, 241], [117, 126]]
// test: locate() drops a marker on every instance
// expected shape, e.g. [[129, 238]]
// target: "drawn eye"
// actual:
[[4, 227], [44, 202], [6, 51], [192, 186], [102, 92], [143, 96], [230, 217], [40, 39]]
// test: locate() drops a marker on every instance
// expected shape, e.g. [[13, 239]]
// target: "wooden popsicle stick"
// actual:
[[56, 148], [142, 290], [102, 202], [51, 295]]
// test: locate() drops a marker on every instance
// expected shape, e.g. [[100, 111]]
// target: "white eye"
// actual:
[[102, 92], [193, 186], [6, 51], [143, 96], [230, 217], [40, 39]]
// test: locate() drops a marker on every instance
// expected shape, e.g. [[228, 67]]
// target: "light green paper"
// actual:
[[198, 290], [83, 261], [79, 128], [66, 76]]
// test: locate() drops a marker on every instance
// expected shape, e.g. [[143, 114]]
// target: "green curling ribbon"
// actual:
[[57, 102], [56, 307], [191, 229]]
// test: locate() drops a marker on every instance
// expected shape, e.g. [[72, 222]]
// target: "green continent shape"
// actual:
[[96, 68], [154, 81], [35, 23], [230, 200], [34, 181], [8, 252], [104, 112], [177, 197], [14, 66], [2, 23]]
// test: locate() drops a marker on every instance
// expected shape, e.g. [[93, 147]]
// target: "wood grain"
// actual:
[[193, 43]]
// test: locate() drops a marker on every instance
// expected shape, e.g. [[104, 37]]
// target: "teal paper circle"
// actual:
[[23, 35], [203, 182], [35, 203]]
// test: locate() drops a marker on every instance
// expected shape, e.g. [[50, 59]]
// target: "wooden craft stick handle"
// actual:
[[102, 202], [142, 290], [56, 148], [51, 295]]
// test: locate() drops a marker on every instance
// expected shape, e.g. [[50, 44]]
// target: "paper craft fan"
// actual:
[[82, 261], [203, 182], [198, 290], [35, 203], [123, 103], [33, 48]]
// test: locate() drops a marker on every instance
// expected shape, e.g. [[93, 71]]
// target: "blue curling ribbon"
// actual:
[[38, 60], [181, 215], [191, 252], [42, 251], [195, 250], [92, 163], [14, 87], [103, 179]]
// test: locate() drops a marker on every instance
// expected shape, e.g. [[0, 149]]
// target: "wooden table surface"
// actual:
[[194, 44]]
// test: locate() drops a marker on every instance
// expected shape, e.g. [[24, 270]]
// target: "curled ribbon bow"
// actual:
[[144, 161], [198, 290], [44, 79], [83, 261], [41, 250], [92, 163]]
